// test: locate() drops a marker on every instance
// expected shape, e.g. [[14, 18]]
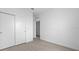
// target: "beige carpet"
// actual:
[[38, 45]]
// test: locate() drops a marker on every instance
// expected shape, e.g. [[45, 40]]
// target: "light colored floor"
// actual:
[[37, 45]]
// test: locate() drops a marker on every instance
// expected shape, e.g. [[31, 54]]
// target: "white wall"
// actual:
[[22, 16], [34, 28], [61, 26]]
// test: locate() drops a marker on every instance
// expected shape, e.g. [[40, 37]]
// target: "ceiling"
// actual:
[[38, 11]]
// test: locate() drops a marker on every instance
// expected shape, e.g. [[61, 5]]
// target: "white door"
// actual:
[[20, 30], [6, 30]]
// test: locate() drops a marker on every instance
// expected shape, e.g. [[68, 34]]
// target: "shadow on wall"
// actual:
[[38, 28]]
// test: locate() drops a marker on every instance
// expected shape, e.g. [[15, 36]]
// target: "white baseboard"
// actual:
[[60, 44]]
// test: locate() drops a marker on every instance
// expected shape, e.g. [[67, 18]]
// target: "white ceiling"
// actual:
[[39, 11]]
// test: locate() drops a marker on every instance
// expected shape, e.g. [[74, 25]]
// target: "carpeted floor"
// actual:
[[38, 45]]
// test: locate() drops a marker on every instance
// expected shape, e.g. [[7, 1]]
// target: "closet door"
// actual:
[[20, 30], [6, 30]]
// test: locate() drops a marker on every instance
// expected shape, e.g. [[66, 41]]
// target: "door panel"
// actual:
[[20, 30], [6, 30]]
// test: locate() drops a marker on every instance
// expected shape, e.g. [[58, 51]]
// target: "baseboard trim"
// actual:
[[6, 48], [60, 45]]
